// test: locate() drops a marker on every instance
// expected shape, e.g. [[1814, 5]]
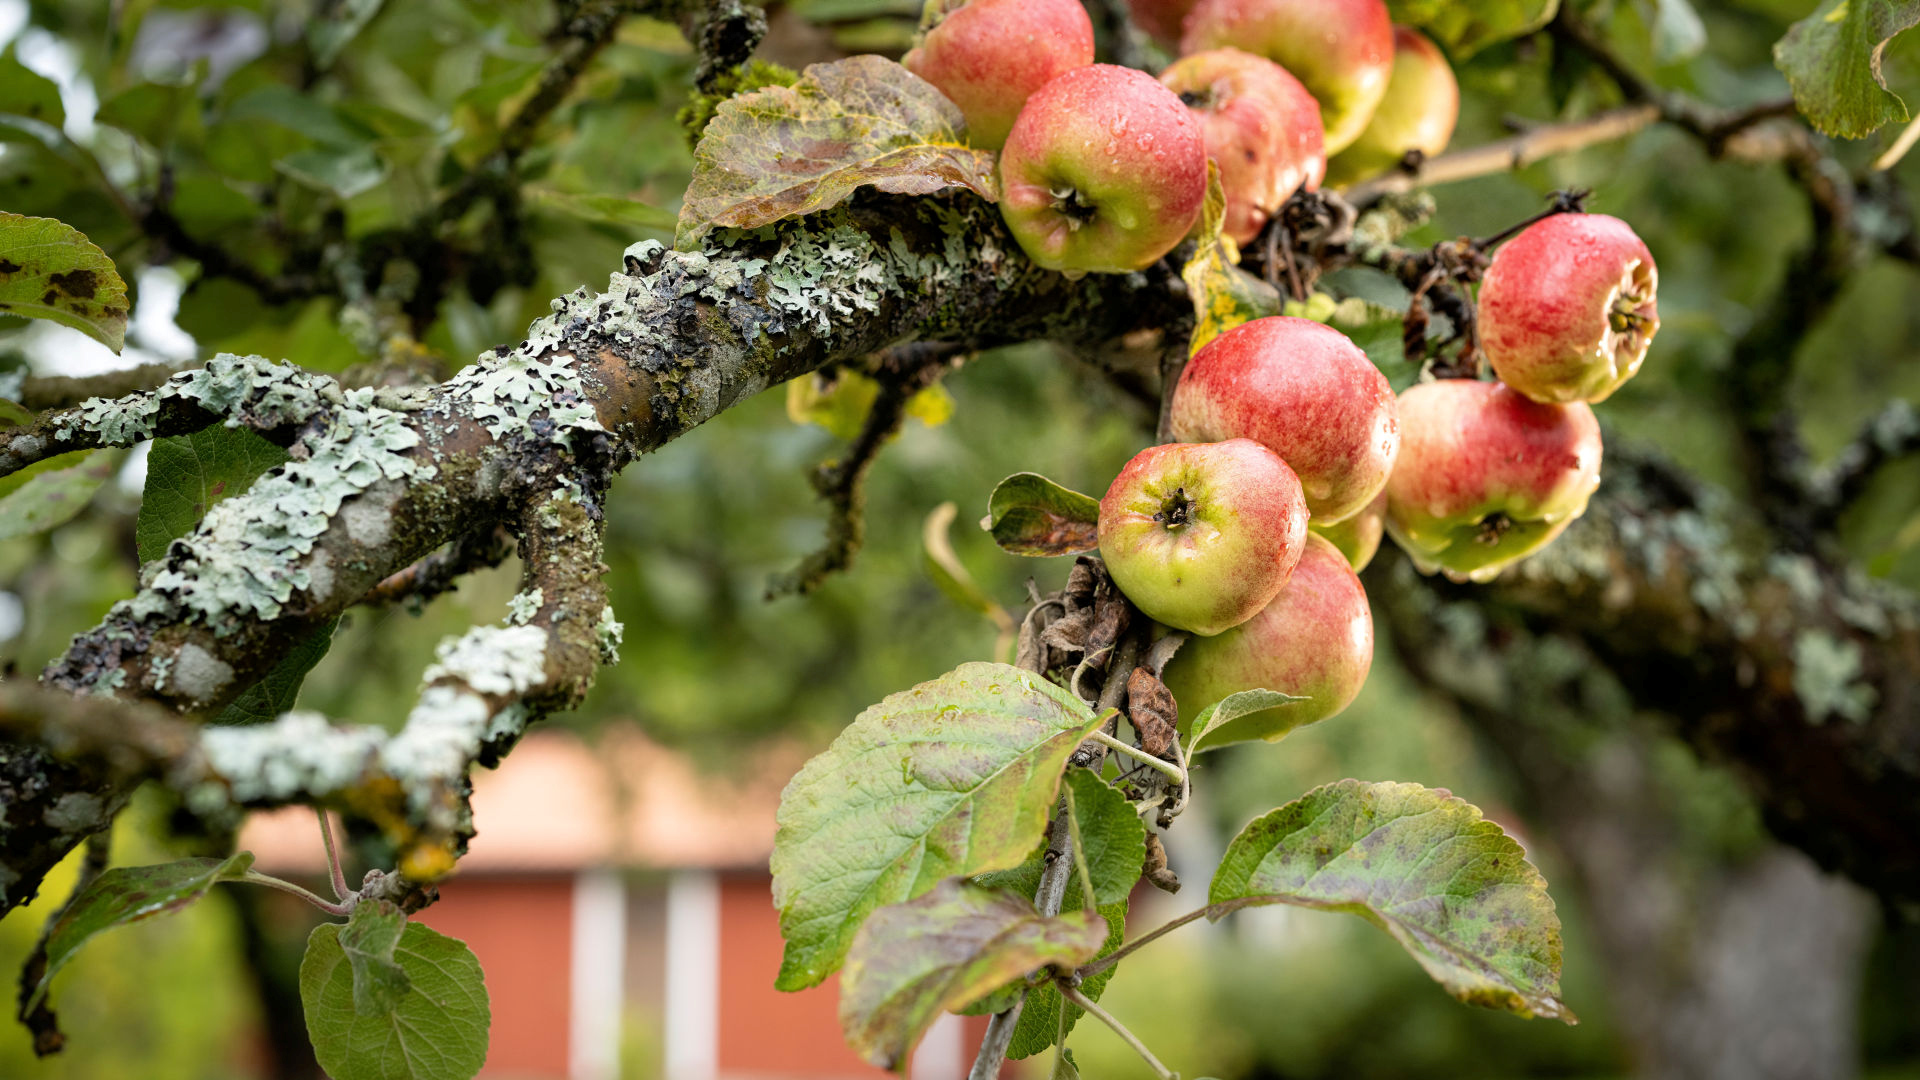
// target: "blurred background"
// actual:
[[318, 141]]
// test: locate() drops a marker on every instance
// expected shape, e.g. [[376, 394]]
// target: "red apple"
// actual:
[[1105, 171], [1341, 49], [991, 55], [1486, 476], [1200, 536], [1358, 537], [1418, 112], [1567, 308], [1305, 391], [1261, 126], [1160, 19], [1315, 640]]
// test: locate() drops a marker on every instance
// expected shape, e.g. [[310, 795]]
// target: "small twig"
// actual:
[[1114, 957], [442, 570], [1173, 772], [1908, 136], [339, 877], [344, 907], [1508, 155], [40, 392], [1087, 1005], [1046, 899]]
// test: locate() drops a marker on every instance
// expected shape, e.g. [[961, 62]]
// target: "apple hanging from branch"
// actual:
[[1262, 128], [1341, 49], [1418, 111], [989, 57]]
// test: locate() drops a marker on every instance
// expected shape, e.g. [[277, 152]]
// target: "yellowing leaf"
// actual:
[[781, 151], [1224, 296], [840, 402]]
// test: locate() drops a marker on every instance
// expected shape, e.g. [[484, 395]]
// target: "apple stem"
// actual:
[[1173, 772]]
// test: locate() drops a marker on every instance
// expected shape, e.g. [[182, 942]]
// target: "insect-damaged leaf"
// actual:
[[955, 776], [49, 270], [129, 894], [1224, 296], [1029, 514], [915, 960], [1451, 887], [1832, 62], [781, 151]]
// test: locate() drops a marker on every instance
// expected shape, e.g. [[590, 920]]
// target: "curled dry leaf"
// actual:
[[1155, 868], [1152, 711], [781, 151]]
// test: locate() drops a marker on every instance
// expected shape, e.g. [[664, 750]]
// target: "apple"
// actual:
[[1418, 112], [1341, 49], [1315, 640], [1262, 128], [1487, 476], [1200, 536], [1160, 19], [1358, 537], [1305, 391], [1567, 309], [1105, 171], [989, 56]]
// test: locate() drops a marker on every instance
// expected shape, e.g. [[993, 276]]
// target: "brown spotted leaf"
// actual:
[[783, 151], [49, 270], [955, 776], [913, 961], [1453, 889], [1224, 296], [1029, 514]]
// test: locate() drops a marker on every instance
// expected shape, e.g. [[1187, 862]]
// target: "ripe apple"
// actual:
[[1487, 476], [1341, 49], [1160, 19], [1315, 640], [1567, 308], [1358, 537], [989, 56], [1305, 391], [1261, 126], [1418, 112], [1200, 536], [1105, 171]]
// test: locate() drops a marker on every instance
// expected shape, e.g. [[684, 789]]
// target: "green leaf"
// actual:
[[14, 414], [943, 565], [369, 939], [1832, 62], [25, 92], [436, 1031], [1243, 717], [1678, 33], [279, 688], [1029, 514], [955, 776], [781, 151], [1452, 888], [187, 474], [336, 27], [52, 497], [1224, 296], [129, 894], [608, 209], [344, 171], [912, 961], [157, 112], [1039, 1024], [48, 270], [1467, 27]]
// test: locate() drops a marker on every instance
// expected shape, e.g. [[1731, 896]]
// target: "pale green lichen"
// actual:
[[609, 634], [243, 560], [1827, 678], [524, 606], [522, 393], [110, 683], [243, 389], [298, 754], [493, 659]]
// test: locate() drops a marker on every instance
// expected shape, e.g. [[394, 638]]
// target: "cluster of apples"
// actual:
[[1294, 455], [1104, 169]]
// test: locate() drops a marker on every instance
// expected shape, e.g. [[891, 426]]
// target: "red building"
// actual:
[[619, 902]]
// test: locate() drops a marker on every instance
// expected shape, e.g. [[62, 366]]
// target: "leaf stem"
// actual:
[[1087, 1005], [340, 890], [1174, 772], [254, 877], [1079, 851], [1107, 961]]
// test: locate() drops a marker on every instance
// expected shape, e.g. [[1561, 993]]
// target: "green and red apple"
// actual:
[[1104, 172], [1305, 391], [1358, 537], [1200, 536], [1567, 308], [1262, 128], [1418, 112], [989, 56], [1341, 49], [1314, 640], [1487, 476]]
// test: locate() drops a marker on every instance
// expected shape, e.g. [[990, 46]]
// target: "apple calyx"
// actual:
[[1074, 206], [1177, 511], [1632, 316]]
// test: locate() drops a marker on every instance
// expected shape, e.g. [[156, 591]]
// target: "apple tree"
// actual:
[[1224, 208]]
